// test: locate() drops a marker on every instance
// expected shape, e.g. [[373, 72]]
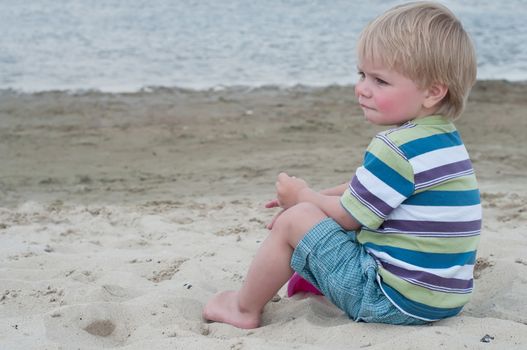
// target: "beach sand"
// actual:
[[121, 214]]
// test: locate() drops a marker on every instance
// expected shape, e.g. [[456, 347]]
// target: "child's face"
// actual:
[[388, 97]]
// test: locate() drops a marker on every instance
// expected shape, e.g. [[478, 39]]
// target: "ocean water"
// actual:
[[126, 45]]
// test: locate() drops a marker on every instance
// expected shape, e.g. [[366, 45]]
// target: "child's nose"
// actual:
[[362, 89]]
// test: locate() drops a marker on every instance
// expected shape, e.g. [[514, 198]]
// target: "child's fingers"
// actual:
[[271, 224], [272, 204]]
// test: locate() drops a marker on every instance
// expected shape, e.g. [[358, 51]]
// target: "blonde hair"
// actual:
[[425, 42]]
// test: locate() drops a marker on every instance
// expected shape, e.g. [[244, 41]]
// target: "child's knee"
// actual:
[[297, 211], [306, 209], [301, 217]]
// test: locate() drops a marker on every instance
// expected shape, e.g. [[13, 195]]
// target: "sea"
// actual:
[[130, 45]]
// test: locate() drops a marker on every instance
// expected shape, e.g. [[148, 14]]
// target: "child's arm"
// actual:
[[335, 191], [331, 206], [291, 191]]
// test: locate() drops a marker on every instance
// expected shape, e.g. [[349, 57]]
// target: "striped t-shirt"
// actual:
[[418, 202]]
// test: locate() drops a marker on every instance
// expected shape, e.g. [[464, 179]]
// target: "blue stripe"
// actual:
[[431, 143], [418, 309], [387, 175], [445, 198], [426, 260]]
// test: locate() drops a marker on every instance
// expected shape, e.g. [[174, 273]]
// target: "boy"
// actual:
[[397, 244]]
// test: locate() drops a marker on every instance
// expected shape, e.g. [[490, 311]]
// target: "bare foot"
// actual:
[[223, 307]]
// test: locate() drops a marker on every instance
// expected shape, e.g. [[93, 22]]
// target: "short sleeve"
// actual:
[[380, 185]]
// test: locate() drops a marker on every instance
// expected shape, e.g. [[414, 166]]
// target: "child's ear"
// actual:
[[434, 94]]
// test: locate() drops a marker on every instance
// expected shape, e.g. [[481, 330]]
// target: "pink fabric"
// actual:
[[298, 284]]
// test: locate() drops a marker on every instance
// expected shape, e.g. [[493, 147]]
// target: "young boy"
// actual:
[[397, 244]]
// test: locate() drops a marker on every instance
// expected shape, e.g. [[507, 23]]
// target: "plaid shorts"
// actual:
[[331, 259]]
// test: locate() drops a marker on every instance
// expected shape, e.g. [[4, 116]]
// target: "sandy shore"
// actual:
[[121, 214]]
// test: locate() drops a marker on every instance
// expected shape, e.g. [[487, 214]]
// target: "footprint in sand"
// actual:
[[481, 265], [100, 328], [93, 325]]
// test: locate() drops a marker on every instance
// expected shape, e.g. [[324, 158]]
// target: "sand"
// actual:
[[121, 214]]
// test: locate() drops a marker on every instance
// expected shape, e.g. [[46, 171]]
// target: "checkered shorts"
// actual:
[[331, 259]]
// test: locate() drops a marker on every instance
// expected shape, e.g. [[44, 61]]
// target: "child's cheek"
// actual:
[[386, 104]]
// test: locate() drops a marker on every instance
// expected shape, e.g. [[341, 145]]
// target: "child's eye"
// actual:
[[361, 75], [380, 81]]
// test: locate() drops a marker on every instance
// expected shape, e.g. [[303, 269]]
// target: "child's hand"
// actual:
[[288, 189], [273, 204], [270, 225]]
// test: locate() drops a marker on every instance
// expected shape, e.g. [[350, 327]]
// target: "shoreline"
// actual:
[[213, 88]]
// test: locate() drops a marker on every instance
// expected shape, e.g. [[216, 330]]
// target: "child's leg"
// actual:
[[269, 270]]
